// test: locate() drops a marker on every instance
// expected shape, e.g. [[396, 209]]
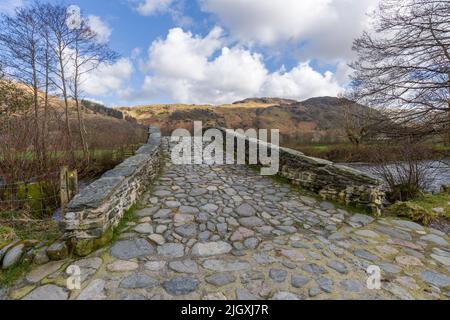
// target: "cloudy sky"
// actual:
[[220, 51]]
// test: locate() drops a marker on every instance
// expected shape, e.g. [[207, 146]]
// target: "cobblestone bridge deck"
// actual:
[[225, 232]]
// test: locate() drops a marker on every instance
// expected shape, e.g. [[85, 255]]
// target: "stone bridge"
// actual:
[[226, 232]]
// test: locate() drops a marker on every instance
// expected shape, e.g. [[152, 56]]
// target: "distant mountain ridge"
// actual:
[[319, 119], [274, 101]]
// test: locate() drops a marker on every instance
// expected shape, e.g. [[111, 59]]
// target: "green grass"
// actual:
[[14, 230], [421, 209], [79, 153], [442, 148], [8, 277], [345, 152], [7, 234], [431, 201], [323, 148], [128, 217], [42, 230]]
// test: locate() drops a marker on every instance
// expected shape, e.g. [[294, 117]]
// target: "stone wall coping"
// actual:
[[301, 158], [357, 172], [100, 190]]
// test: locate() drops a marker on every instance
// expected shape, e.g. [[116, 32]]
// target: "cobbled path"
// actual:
[[225, 232]]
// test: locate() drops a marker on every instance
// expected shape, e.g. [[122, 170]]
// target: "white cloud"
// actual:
[[175, 8], [301, 82], [186, 68], [332, 39], [135, 53], [183, 55], [96, 101], [326, 27], [269, 21], [100, 27], [151, 7], [8, 6], [107, 78]]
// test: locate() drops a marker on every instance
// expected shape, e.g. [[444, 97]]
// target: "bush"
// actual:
[[412, 211], [406, 177]]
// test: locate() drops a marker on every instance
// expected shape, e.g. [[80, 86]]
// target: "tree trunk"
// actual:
[[81, 126], [447, 142], [448, 125], [66, 104], [82, 130], [37, 140], [45, 136]]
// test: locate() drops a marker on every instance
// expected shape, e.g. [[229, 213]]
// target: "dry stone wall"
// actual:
[[90, 217], [331, 181]]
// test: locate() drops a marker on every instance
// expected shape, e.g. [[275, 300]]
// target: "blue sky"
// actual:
[[220, 51]]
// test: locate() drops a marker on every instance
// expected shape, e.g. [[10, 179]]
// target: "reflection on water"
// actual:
[[438, 171]]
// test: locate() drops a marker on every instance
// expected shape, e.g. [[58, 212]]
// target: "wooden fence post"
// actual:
[[68, 185], [63, 189], [72, 182]]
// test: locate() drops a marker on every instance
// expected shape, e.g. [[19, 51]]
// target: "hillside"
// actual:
[[318, 120], [106, 128]]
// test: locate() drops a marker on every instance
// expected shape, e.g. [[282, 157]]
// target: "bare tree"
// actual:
[[87, 55], [47, 48], [405, 64], [78, 52], [48, 61], [409, 175], [360, 123], [21, 52], [60, 36]]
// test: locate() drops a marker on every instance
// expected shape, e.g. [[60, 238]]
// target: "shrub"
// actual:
[[412, 211], [406, 177]]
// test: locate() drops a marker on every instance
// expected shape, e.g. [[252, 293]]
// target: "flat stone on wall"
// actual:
[[329, 180], [91, 216]]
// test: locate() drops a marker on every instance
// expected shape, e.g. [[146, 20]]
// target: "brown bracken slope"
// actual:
[[314, 120]]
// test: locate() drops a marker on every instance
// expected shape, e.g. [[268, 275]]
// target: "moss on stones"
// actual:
[[22, 292], [84, 247], [412, 211]]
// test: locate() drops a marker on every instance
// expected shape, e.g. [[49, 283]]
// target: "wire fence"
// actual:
[[41, 196], [35, 197]]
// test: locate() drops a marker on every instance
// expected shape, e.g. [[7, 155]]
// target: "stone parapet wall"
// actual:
[[329, 180], [91, 216]]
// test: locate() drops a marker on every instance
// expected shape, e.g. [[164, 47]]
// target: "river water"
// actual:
[[438, 172]]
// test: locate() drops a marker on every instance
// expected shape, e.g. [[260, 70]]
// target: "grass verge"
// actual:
[[9, 276], [15, 229], [433, 201], [425, 209], [128, 217], [7, 234], [20, 227]]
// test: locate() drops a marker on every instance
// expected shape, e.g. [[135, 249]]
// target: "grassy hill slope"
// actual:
[[313, 120]]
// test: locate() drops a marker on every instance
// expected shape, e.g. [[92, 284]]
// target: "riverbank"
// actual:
[[431, 208], [437, 171], [345, 152]]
